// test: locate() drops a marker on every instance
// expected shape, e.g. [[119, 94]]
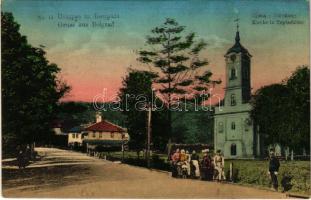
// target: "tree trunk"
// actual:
[[169, 132], [292, 155]]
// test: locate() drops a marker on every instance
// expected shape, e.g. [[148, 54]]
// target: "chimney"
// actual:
[[98, 117]]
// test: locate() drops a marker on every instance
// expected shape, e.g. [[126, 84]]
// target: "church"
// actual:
[[234, 132]]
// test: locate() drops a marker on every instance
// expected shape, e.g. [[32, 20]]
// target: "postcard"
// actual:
[[175, 99]]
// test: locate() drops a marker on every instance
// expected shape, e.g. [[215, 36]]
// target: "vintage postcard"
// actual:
[[175, 99]]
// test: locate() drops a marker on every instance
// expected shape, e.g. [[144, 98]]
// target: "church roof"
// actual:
[[237, 47]]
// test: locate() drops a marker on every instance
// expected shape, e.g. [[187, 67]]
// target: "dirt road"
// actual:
[[68, 174]]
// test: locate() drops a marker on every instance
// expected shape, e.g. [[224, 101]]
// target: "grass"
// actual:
[[256, 172], [246, 172]]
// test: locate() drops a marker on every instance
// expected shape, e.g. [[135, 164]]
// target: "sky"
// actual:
[[94, 58]]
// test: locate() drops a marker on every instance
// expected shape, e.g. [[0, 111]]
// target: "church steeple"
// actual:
[[237, 47], [237, 35], [238, 61]]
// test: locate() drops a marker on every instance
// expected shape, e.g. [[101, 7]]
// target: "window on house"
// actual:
[[77, 135], [233, 74], [233, 100], [112, 134], [100, 135], [220, 127], [73, 135], [233, 125], [94, 135], [233, 149]]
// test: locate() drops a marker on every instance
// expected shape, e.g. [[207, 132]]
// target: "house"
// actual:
[[104, 135], [76, 137]]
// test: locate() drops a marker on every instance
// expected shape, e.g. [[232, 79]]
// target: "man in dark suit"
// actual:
[[274, 165]]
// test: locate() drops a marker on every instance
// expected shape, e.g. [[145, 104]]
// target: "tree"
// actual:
[[270, 113], [72, 114], [298, 85], [135, 94], [192, 126], [282, 111], [175, 57], [30, 87]]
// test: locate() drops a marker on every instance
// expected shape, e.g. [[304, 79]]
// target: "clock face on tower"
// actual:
[[233, 57]]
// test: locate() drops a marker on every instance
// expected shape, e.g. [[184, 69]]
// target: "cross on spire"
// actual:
[[237, 23], [237, 36]]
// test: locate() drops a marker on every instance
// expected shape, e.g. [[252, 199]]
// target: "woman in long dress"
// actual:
[[219, 163], [194, 165]]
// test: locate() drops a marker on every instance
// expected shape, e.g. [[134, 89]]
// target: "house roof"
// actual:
[[76, 129], [105, 126]]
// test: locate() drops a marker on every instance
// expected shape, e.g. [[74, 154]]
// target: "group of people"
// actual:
[[190, 165], [212, 167]]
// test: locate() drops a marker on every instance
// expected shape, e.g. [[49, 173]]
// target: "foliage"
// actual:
[[299, 102], [72, 114], [269, 108], [175, 57], [192, 127], [282, 111], [113, 116], [158, 161], [30, 87], [255, 172], [135, 94]]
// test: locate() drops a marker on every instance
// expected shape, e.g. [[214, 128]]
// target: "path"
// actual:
[[69, 174]]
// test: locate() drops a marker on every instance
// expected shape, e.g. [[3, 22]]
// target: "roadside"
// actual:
[[293, 175], [68, 174]]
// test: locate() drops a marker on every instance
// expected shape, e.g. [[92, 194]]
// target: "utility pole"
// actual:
[[149, 134], [122, 147]]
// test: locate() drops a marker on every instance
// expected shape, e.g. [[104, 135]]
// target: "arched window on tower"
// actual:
[[233, 100], [233, 125], [233, 74], [233, 149]]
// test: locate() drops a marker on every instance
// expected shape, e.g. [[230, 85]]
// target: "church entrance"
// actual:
[[233, 149]]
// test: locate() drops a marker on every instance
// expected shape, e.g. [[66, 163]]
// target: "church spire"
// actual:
[[237, 47], [237, 36]]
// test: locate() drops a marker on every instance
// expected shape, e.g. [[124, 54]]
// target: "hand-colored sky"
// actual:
[[92, 59]]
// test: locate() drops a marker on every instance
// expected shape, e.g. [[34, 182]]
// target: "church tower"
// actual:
[[233, 128], [238, 82]]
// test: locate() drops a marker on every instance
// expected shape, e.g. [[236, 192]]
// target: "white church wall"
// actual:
[[240, 136]]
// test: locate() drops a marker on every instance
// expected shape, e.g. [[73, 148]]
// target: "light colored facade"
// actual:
[[233, 127], [75, 138], [77, 135], [101, 135]]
